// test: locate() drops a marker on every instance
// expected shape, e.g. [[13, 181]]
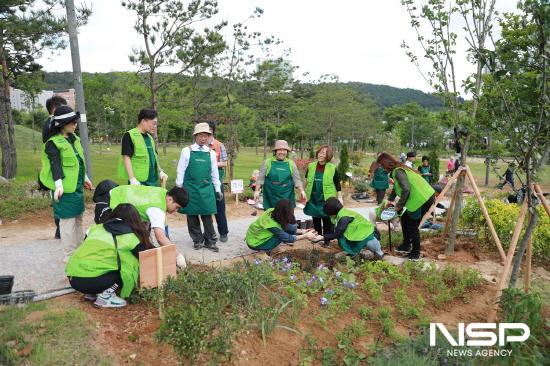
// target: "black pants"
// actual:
[[194, 227], [57, 234], [409, 226], [323, 225], [380, 194], [221, 219], [96, 285]]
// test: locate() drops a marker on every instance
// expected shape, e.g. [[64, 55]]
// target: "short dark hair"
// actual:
[[180, 196], [425, 158], [54, 102], [411, 154], [147, 114], [332, 206], [212, 125], [283, 213]]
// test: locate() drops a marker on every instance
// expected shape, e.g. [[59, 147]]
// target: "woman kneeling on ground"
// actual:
[[108, 259], [267, 232], [353, 231]]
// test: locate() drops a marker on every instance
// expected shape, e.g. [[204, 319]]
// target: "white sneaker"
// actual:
[[109, 299]]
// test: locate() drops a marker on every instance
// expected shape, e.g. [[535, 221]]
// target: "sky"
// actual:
[[357, 40]]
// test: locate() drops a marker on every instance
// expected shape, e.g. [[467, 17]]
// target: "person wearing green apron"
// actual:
[[64, 173], [379, 180], [322, 182], [197, 172], [278, 178], [108, 259], [138, 162], [354, 232], [425, 169], [415, 194], [267, 232]]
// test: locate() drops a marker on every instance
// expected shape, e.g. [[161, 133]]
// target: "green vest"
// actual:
[[420, 190], [258, 232], [140, 159], [97, 256], [359, 229], [141, 197], [69, 161], [329, 189]]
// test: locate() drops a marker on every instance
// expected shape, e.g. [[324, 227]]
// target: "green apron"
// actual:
[[153, 176], [72, 204], [424, 170], [380, 179], [198, 183], [278, 184], [314, 206]]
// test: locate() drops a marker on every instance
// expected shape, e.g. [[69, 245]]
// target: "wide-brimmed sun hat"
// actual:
[[202, 127], [281, 145], [64, 115]]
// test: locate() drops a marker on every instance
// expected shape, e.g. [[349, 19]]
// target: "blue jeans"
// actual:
[[355, 247], [274, 241]]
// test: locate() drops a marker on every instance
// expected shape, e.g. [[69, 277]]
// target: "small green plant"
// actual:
[[345, 342], [329, 357], [365, 312]]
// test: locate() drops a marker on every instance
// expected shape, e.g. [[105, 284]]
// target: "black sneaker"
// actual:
[[403, 248], [197, 245], [223, 238], [413, 256], [213, 247]]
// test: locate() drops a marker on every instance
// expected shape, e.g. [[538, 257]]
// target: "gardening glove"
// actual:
[[219, 196], [180, 261], [58, 189], [88, 183], [163, 176], [134, 182]]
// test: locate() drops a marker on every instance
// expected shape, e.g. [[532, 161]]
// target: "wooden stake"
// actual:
[[528, 264], [450, 213], [441, 196], [486, 214], [508, 263], [541, 197], [236, 199]]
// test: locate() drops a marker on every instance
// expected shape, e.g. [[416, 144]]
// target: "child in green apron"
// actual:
[[322, 182], [64, 172], [108, 259], [354, 232], [197, 172], [279, 176], [425, 169], [267, 232]]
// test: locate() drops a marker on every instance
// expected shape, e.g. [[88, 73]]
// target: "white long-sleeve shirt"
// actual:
[[184, 162]]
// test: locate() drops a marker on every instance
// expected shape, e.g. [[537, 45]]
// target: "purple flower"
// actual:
[[292, 277], [330, 292], [285, 260], [257, 262], [324, 301], [321, 267], [288, 265], [309, 282], [338, 274], [313, 278]]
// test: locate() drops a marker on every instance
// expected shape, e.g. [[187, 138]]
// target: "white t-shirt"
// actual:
[[156, 216], [409, 164]]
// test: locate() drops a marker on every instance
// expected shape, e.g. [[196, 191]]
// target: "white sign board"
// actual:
[[237, 186]]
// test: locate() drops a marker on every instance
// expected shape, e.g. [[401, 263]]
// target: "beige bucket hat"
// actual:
[[202, 127], [281, 144]]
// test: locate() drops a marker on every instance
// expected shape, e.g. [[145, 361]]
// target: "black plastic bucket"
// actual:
[[6, 283]]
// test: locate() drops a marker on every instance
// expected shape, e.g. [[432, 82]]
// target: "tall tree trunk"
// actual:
[[7, 135]]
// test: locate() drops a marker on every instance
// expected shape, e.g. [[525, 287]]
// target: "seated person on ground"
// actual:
[[354, 232], [266, 233], [108, 258]]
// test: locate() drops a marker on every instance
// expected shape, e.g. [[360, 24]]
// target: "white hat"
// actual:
[[281, 145], [202, 127]]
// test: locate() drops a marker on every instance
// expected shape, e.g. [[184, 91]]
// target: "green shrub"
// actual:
[[504, 217], [434, 163], [360, 186], [356, 156], [343, 166]]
